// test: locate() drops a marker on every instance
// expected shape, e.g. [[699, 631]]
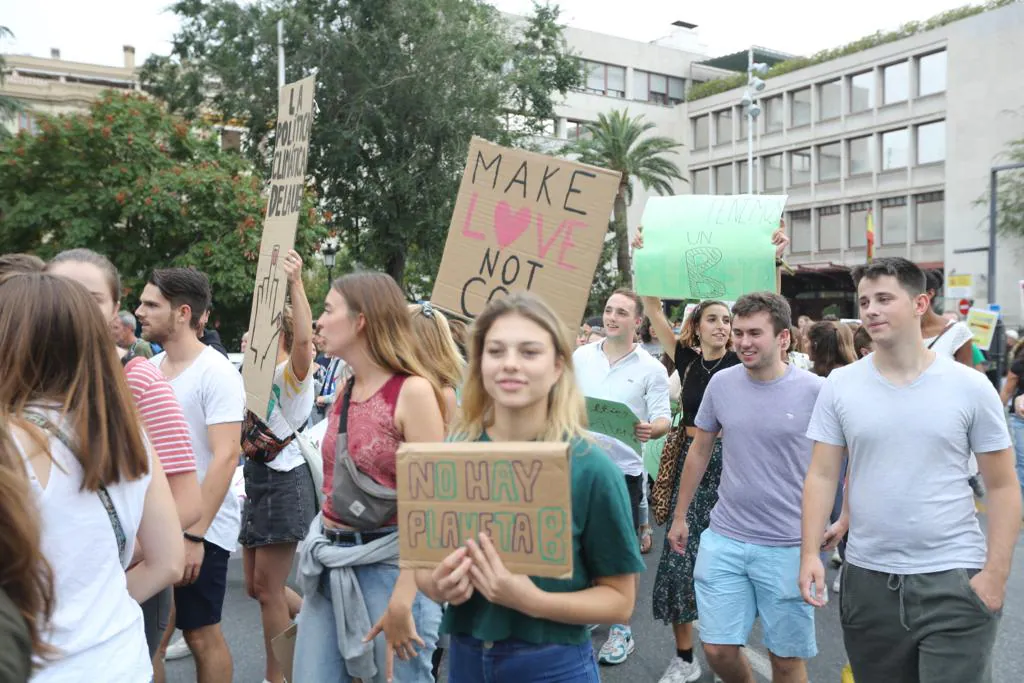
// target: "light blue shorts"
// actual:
[[737, 582]]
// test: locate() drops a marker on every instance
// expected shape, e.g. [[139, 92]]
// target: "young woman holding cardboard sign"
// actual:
[[348, 565], [511, 627]]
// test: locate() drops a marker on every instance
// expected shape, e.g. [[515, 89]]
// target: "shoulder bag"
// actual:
[[668, 468], [358, 501]]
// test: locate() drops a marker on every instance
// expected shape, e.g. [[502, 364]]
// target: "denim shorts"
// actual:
[[279, 506], [514, 661], [737, 582]]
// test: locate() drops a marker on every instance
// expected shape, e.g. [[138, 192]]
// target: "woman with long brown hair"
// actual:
[[439, 353], [348, 565], [26, 580], [97, 487], [830, 346]]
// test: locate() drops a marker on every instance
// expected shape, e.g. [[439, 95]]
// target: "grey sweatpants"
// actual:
[[916, 628]]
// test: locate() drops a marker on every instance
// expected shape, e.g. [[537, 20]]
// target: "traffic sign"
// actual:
[[964, 307]]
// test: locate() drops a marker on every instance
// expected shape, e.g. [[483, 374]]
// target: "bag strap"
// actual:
[[346, 398], [945, 329], [104, 495]]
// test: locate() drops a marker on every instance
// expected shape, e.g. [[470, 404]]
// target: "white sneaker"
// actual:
[[680, 671], [178, 649], [836, 560], [618, 646], [836, 584]]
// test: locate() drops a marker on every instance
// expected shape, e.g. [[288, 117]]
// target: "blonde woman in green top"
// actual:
[[513, 628]]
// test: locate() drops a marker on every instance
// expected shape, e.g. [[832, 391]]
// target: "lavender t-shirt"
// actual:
[[765, 452]]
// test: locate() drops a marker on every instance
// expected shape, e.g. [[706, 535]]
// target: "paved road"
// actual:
[[654, 641]]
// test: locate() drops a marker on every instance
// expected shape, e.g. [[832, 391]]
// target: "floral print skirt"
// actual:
[[674, 599]]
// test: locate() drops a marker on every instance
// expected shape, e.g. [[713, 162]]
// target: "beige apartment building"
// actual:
[[907, 131]]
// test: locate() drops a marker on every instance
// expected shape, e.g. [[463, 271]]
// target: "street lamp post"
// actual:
[[755, 84], [329, 251]]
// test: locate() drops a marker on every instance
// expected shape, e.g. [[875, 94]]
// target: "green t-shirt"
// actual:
[[16, 653], [604, 544]]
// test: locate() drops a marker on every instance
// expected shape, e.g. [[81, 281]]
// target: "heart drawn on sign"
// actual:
[[509, 226]]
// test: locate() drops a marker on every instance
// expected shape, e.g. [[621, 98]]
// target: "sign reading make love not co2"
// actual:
[[524, 221]]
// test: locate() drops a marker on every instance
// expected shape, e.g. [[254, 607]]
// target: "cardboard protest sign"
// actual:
[[517, 493], [613, 419], [982, 324], [708, 247], [524, 221], [287, 186]]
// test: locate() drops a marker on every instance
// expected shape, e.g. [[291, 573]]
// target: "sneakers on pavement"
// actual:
[[836, 560], [178, 649], [618, 646], [680, 671], [837, 583]]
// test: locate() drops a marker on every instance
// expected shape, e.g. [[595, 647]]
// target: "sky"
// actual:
[[96, 31]]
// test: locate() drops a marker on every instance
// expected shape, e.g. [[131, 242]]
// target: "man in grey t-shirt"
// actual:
[[749, 557], [921, 592]]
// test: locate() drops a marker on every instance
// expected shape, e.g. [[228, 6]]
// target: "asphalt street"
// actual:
[[654, 641]]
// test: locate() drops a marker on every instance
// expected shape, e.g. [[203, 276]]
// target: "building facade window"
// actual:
[[723, 127], [861, 159], [895, 145], [576, 130], [858, 224], [604, 79], [773, 120], [723, 179], [862, 92], [830, 100], [800, 107], [829, 228], [894, 220], [800, 167], [830, 163], [773, 172], [800, 231], [701, 181], [744, 177], [896, 83], [658, 88], [700, 132], [27, 122], [931, 143], [931, 73], [931, 216]]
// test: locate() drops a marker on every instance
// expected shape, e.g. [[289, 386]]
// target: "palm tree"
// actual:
[[8, 105], [617, 142]]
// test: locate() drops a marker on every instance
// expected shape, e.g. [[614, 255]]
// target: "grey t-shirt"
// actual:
[[765, 452], [911, 508]]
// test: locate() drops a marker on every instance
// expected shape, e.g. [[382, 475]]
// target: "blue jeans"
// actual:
[[515, 661], [317, 658], [1017, 429]]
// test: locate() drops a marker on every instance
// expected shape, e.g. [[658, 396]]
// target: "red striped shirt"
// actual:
[[162, 415]]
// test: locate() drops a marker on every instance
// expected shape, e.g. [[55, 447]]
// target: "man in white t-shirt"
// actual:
[[280, 499], [922, 591], [212, 397], [618, 369]]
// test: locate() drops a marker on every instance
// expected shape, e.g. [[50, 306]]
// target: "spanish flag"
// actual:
[[871, 234]]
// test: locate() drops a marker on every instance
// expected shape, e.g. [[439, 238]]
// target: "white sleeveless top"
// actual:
[[97, 627]]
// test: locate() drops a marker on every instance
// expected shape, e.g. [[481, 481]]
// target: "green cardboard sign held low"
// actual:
[[613, 419], [707, 246]]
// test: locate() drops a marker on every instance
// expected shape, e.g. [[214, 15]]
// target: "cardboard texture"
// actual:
[[982, 324], [518, 493], [708, 246], [524, 221], [287, 185], [283, 645]]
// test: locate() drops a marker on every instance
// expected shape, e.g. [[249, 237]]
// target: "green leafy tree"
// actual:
[[1010, 197], [145, 189], [619, 142], [403, 85]]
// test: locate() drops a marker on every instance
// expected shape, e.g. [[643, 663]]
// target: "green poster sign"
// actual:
[[708, 246], [613, 419]]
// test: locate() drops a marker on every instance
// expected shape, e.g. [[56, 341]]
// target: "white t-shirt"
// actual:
[[210, 392], [638, 381], [955, 336], [291, 403], [97, 626], [911, 508]]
